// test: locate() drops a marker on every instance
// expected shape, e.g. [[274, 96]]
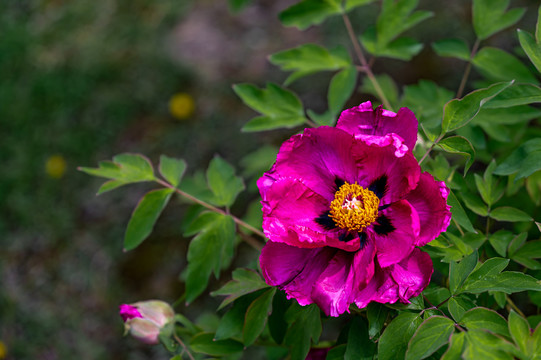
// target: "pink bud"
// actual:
[[144, 319]]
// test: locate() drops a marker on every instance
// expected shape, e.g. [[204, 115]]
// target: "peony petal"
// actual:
[[390, 139], [321, 156], [362, 120], [266, 181], [429, 199], [400, 281], [318, 157], [294, 269], [334, 289], [363, 264], [412, 274], [375, 163], [289, 216], [381, 288], [395, 233]]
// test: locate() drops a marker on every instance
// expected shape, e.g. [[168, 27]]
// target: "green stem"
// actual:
[[311, 123], [514, 306], [458, 227], [467, 71], [487, 229], [432, 307], [443, 302], [431, 148], [364, 63], [184, 348], [252, 242]]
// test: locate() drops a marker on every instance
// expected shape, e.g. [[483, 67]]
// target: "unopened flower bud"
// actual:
[[144, 319]]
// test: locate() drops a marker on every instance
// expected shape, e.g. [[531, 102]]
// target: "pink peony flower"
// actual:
[[144, 319], [345, 208]]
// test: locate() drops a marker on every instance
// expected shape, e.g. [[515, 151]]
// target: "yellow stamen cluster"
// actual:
[[354, 207]]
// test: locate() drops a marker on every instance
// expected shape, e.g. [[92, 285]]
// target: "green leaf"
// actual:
[[459, 145], [538, 26], [223, 182], [475, 204], [403, 48], [256, 316], [359, 346], [232, 322], [507, 282], [455, 48], [507, 116], [310, 12], [387, 85], [377, 315], [517, 243], [336, 352], [492, 266], [458, 213], [484, 345], [533, 186], [305, 326], [460, 244], [397, 17], [172, 169], [244, 281], [110, 185], [531, 47], [514, 95], [458, 272], [507, 213], [393, 343], [416, 303], [493, 190], [498, 65], [455, 309], [520, 331], [204, 343], [352, 4], [458, 113], [277, 322], [490, 16], [485, 189], [500, 241], [125, 169], [427, 101], [208, 252], [186, 323], [456, 345], [499, 297], [524, 161], [144, 217], [280, 107], [432, 334], [483, 318], [536, 340], [340, 89], [525, 255], [310, 58]]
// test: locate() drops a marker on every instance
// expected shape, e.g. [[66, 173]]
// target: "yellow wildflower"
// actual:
[[55, 167], [181, 105]]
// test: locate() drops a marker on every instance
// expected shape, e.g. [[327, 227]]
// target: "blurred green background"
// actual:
[[81, 81]]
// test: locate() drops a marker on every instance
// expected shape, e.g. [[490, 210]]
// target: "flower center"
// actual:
[[354, 207]]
